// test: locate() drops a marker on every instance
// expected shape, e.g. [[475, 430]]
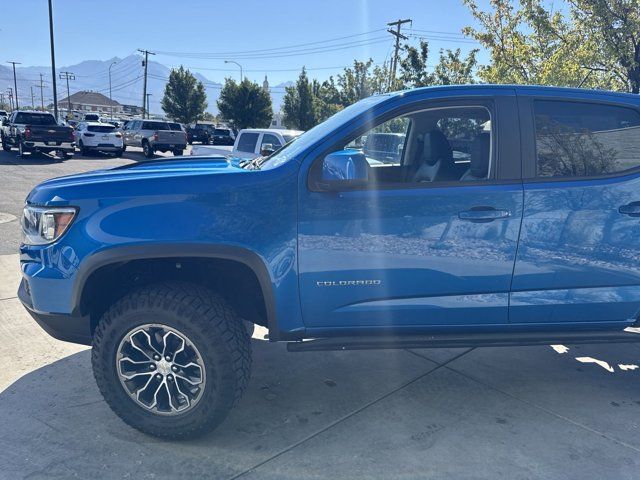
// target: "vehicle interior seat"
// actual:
[[480, 159], [436, 161]]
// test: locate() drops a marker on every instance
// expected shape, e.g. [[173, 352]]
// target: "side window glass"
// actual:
[[439, 145], [272, 139], [581, 139], [247, 142]]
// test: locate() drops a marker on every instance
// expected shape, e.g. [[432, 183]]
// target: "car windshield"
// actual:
[[35, 119], [221, 131], [101, 128], [317, 133], [175, 126]]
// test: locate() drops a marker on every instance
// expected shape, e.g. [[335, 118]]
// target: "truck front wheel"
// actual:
[[171, 359]]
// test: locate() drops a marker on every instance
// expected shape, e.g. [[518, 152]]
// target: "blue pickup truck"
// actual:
[[504, 215]]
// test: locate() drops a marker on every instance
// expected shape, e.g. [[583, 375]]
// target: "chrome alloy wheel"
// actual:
[[160, 369]]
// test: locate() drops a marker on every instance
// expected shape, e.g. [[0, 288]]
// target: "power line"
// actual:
[[244, 52], [289, 53]]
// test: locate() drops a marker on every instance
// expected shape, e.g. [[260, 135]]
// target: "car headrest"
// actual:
[[480, 155], [436, 147]]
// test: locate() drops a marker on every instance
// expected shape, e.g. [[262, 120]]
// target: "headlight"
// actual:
[[42, 225]]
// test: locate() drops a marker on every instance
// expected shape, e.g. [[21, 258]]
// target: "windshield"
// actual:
[[35, 119], [175, 127], [220, 131], [317, 133]]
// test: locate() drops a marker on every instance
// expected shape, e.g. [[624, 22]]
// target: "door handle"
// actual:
[[632, 209], [483, 214]]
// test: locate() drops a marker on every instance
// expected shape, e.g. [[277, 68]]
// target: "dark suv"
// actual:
[[223, 136], [199, 133]]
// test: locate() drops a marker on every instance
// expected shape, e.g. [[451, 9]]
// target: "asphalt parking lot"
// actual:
[[561, 412]]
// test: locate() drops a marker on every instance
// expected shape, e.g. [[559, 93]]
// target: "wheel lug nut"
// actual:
[[168, 358], [174, 368], [170, 377], [152, 367], [159, 376], [156, 357]]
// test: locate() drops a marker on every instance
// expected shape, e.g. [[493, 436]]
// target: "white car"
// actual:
[[99, 137], [251, 143]]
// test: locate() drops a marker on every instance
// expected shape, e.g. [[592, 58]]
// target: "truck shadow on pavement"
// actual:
[[373, 414]]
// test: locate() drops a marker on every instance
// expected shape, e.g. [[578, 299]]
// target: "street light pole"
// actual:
[[53, 63], [110, 100], [15, 82], [232, 61]]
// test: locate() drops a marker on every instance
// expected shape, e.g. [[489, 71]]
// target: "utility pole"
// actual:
[[68, 76], [33, 101], [53, 63], [41, 92], [145, 64], [148, 107], [110, 99], [15, 82], [396, 33], [10, 92], [2, 99]]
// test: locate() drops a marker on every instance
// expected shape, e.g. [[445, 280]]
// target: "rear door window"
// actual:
[[155, 126], [585, 139], [247, 142]]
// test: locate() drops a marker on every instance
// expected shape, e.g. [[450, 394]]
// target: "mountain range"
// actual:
[[126, 82]]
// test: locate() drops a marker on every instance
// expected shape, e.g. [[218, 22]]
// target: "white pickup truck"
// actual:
[[251, 143]]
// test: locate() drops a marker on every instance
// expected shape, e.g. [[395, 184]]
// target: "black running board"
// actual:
[[510, 339]]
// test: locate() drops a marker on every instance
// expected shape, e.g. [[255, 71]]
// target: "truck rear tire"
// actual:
[[23, 152], [171, 359], [178, 152], [5, 145], [147, 150]]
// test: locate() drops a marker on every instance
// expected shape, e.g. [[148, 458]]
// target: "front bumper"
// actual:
[[65, 327]]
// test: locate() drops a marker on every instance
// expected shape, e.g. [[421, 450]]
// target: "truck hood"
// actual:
[[150, 170]]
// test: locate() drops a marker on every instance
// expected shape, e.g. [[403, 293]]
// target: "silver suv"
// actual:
[[154, 136]]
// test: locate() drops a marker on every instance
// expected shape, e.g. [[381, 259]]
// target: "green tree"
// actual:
[[184, 97], [362, 81], [245, 105], [327, 98], [613, 28], [299, 105], [451, 69], [595, 45]]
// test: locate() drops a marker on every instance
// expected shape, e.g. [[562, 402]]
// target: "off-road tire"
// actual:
[[210, 324], [178, 152]]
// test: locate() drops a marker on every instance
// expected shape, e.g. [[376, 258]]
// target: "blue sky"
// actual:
[[204, 33]]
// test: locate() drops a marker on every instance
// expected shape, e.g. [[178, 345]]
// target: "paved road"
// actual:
[[514, 413]]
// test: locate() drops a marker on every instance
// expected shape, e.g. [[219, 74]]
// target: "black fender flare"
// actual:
[[139, 252]]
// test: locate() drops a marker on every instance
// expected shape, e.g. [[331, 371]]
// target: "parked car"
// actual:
[[30, 132], [198, 133], [251, 143], [99, 137], [3, 114], [155, 135], [223, 136], [535, 240], [91, 117]]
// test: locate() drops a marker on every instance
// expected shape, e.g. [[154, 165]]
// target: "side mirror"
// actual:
[[5, 121], [266, 149], [343, 169]]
